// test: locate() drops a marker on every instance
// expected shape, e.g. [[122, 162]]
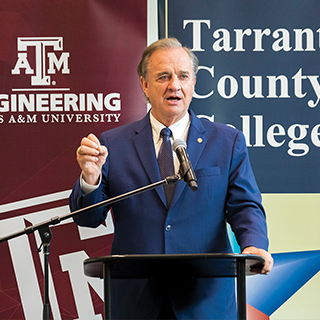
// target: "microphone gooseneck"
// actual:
[[179, 146]]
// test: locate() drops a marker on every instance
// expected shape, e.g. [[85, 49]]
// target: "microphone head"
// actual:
[[178, 143]]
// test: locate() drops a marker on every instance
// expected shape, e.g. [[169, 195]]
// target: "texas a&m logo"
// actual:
[[45, 48]]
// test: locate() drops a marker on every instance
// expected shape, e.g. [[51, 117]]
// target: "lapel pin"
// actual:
[[199, 140]]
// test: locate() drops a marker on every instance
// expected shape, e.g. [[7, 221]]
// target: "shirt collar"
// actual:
[[178, 129]]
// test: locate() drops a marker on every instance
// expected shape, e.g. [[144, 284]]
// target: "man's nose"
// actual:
[[174, 83]]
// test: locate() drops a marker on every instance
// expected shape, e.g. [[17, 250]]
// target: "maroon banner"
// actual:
[[66, 69]]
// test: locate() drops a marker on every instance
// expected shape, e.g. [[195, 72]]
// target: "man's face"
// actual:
[[169, 84]]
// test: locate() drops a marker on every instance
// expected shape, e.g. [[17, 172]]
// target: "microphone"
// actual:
[[179, 147]]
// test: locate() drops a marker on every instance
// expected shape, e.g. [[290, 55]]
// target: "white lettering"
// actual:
[[233, 84], [57, 102], [22, 63], [227, 40], [196, 35], [309, 40], [112, 101], [73, 263], [283, 86], [278, 86], [239, 38], [257, 87], [211, 71], [282, 43], [293, 146], [63, 61], [4, 103], [315, 134], [224, 42]]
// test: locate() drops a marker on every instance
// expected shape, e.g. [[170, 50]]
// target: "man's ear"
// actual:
[[144, 86]]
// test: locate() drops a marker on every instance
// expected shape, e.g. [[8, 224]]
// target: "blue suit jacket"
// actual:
[[195, 222]]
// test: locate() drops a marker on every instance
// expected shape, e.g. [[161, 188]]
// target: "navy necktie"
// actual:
[[165, 160]]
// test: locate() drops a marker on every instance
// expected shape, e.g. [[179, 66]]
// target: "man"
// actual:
[[125, 159]]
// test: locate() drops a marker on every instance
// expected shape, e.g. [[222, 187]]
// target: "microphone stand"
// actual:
[[45, 233]]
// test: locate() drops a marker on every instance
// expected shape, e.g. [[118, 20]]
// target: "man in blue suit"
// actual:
[[125, 159]]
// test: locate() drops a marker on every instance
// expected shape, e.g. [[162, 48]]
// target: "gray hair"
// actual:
[[165, 43]]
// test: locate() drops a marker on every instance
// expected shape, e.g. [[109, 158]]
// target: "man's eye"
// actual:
[[163, 78]]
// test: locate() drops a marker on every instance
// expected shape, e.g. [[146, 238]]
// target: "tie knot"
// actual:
[[165, 133]]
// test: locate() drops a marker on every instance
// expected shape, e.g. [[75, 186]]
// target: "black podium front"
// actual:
[[178, 266]]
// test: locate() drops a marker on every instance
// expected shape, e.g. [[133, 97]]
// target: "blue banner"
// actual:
[[259, 72]]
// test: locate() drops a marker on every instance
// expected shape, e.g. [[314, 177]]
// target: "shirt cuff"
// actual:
[[87, 188]]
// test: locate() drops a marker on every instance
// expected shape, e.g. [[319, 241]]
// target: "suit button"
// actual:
[[168, 227]]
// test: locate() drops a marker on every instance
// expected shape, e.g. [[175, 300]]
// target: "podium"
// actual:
[[179, 265]]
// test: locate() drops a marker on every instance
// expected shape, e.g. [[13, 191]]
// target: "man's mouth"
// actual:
[[173, 99]]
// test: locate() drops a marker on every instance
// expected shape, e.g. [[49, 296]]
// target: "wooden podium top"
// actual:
[[172, 265]]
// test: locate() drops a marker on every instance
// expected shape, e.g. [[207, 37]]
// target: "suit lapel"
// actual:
[[143, 142], [195, 145]]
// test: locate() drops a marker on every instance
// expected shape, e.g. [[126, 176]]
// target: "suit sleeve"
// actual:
[[244, 209], [78, 201]]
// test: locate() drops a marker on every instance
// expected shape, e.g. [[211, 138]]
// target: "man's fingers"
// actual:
[[94, 139], [90, 142], [90, 146], [266, 255], [85, 150], [104, 151], [268, 264]]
